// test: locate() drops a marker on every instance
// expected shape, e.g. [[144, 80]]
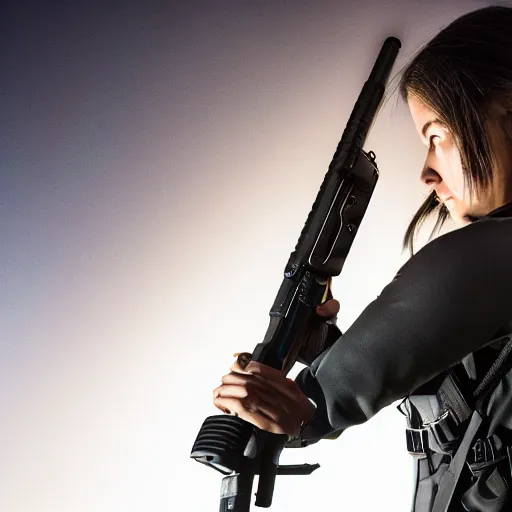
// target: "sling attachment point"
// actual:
[[444, 431], [417, 442]]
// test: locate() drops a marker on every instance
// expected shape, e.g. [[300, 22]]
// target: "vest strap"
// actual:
[[451, 476]]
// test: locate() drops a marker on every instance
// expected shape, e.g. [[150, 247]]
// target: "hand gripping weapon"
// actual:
[[229, 444]]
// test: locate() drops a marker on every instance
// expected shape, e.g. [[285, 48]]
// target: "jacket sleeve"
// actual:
[[444, 303]]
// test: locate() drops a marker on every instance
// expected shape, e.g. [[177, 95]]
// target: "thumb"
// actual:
[[242, 360]]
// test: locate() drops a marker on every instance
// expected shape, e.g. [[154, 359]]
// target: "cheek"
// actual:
[[452, 172]]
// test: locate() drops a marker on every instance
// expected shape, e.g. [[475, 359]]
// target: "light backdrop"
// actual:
[[158, 161]]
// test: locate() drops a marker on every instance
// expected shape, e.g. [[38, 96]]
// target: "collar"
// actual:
[[502, 211]]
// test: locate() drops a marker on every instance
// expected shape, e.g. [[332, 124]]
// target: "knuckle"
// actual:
[[248, 403], [235, 367]]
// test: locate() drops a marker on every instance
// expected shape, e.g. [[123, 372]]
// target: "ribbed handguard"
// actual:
[[221, 442]]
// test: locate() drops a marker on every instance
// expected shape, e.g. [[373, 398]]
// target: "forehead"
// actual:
[[421, 113]]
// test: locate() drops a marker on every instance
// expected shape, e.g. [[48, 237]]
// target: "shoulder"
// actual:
[[475, 258], [479, 243]]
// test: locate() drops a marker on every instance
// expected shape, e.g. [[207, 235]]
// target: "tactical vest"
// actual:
[[459, 430]]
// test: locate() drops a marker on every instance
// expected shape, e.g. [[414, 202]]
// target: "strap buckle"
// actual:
[[444, 430], [417, 442], [485, 454]]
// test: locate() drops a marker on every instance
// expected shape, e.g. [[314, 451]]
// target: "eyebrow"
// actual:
[[427, 125]]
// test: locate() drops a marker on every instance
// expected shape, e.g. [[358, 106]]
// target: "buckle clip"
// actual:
[[444, 429], [484, 454], [417, 442]]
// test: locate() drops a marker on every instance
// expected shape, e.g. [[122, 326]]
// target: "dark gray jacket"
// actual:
[[445, 304]]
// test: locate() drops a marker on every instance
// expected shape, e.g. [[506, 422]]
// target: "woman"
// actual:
[[435, 330]]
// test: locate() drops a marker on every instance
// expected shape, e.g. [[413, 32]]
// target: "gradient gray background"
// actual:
[[158, 161]]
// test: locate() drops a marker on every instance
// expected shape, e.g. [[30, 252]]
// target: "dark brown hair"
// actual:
[[460, 74]]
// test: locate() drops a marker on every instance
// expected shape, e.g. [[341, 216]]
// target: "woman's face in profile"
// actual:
[[442, 170]]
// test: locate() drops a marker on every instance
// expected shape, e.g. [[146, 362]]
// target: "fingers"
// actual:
[[260, 414], [253, 400], [264, 407], [235, 401], [329, 309], [246, 397], [263, 397], [236, 386], [260, 383], [243, 365], [264, 372]]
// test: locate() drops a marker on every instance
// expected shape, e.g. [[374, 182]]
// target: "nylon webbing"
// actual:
[[450, 478]]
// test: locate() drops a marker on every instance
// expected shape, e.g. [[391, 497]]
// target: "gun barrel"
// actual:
[[385, 60], [347, 151], [366, 106]]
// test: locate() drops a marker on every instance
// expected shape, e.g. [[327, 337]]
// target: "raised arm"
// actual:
[[445, 302]]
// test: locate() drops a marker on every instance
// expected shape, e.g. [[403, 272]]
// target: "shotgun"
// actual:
[[232, 446]]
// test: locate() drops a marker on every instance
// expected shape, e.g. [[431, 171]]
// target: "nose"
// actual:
[[430, 177]]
